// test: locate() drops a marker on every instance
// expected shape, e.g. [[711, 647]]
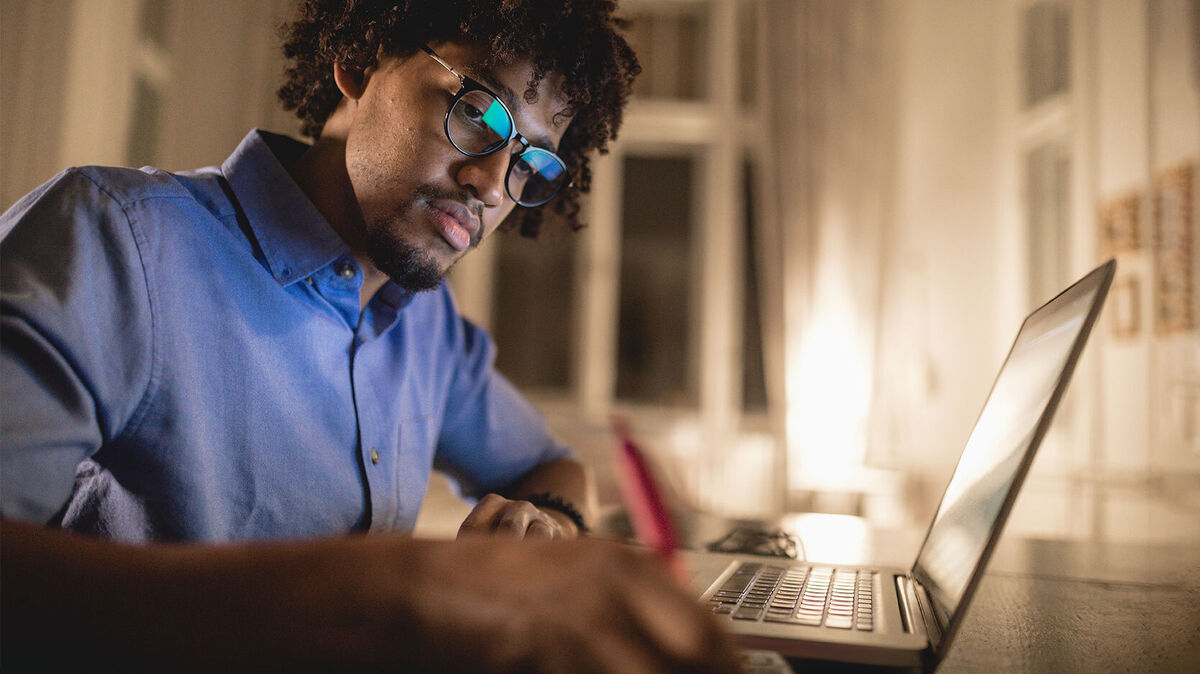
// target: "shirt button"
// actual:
[[375, 456], [346, 271]]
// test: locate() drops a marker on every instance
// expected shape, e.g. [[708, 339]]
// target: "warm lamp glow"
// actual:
[[840, 539], [828, 408]]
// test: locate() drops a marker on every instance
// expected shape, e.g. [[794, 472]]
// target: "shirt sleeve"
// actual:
[[491, 434], [76, 348]]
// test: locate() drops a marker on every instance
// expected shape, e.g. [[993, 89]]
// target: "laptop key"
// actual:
[[839, 622], [779, 618], [747, 613]]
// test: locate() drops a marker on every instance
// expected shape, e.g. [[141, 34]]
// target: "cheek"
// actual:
[[494, 218], [384, 139]]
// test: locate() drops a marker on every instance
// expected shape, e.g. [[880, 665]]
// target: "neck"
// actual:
[[321, 174]]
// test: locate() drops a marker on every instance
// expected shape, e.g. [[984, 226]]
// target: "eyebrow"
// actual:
[[487, 76]]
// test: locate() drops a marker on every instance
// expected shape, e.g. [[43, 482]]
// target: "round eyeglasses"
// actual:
[[479, 124]]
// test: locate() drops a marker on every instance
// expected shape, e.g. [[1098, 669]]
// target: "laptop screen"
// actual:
[[1003, 440]]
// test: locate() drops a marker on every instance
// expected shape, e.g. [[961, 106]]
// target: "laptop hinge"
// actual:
[[906, 598], [933, 626]]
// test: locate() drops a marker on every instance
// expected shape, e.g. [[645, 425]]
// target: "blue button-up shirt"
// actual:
[[184, 358]]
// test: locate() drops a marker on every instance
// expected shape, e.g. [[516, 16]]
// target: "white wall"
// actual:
[[33, 49], [67, 72], [942, 339], [1147, 119], [226, 83]]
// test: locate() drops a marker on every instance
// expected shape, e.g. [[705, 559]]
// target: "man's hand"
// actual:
[[495, 515], [583, 605]]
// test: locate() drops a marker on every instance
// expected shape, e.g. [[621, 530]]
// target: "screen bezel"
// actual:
[[1101, 277]]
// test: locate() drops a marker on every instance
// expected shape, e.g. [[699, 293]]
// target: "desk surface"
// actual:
[[1078, 606], [1052, 605]]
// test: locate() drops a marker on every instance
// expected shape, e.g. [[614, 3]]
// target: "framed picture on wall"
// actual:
[[1121, 224], [1125, 299], [1174, 251]]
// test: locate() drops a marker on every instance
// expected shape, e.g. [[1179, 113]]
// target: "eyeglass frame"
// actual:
[[466, 86]]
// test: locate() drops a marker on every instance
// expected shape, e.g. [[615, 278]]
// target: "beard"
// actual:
[[409, 266]]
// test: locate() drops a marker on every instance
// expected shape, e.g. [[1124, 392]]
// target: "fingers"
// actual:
[[497, 516], [515, 519], [539, 528], [483, 516], [669, 617], [570, 606]]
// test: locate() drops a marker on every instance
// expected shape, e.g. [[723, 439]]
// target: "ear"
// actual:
[[350, 82]]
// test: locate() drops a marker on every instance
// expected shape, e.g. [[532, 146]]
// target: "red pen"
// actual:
[[648, 513]]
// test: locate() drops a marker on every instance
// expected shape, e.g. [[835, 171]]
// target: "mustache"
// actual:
[[428, 192]]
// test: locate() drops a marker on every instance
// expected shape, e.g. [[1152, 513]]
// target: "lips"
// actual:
[[457, 225]]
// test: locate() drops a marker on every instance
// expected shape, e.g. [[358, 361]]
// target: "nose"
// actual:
[[484, 177]]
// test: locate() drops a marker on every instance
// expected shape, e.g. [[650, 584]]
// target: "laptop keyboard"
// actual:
[[798, 595]]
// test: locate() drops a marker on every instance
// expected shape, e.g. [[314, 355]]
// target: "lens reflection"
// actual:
[[478, 123], [535, 177]]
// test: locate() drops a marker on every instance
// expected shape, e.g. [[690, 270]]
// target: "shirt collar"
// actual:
[[295, 239]]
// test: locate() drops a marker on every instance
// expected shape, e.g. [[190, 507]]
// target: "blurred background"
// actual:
[[810, 249]]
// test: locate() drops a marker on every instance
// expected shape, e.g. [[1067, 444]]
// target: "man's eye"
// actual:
[[471, 113], [522, 169]]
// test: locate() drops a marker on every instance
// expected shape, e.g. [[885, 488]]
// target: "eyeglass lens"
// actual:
[[479, 124]]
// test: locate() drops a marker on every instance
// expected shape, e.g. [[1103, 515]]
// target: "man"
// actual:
[[266, 350]]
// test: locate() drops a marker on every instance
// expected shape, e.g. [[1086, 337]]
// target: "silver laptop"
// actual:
[[893, 616]]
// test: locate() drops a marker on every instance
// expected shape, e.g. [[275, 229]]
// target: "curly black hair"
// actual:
[[579, 39]]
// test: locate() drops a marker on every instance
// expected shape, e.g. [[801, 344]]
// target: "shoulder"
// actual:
[[120, 188], [124, 186], [102, 201]]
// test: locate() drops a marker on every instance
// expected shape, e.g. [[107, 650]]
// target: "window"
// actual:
[[655, 349], [670, 39], [534, 307], [1046, 28], [1046, 128], [656, 301], [1047, 219]]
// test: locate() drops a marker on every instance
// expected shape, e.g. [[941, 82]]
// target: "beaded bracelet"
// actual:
[[562, 505]]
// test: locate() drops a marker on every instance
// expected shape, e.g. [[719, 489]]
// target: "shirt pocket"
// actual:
[[416, 443]]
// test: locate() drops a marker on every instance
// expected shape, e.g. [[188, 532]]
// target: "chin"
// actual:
[[409, 266]]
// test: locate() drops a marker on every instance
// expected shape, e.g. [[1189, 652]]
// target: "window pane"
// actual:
[[534, 306], [654, 361], [1047, 51], [1048, 194], [671, 44]]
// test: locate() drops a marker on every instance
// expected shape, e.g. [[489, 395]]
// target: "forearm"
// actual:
[[362, 603], [175, 607], [564, 477]]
